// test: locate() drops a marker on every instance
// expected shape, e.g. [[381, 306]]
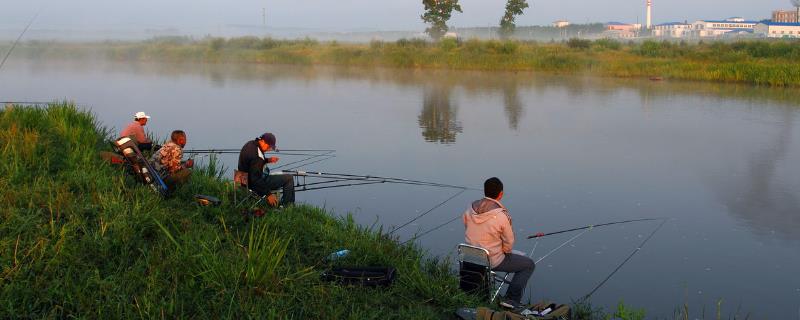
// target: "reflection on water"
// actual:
[[760, 196], [513, 106], [719, 159], [439, 116]]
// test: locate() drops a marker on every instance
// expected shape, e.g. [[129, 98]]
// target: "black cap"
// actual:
[[269, 138]]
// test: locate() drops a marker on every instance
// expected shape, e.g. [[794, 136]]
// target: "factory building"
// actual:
[[673, 30], [621, 30], [770, 29], [721, 28], [784, 16]]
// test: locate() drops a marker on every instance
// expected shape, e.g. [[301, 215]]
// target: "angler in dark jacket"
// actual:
[[253, 161]]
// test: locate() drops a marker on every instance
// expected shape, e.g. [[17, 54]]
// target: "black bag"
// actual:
[[363, 276]]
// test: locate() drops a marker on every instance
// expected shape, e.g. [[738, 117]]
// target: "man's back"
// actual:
[[488, 225], [134, 129]]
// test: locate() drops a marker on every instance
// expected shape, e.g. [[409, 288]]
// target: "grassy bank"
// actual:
[[773, 63], [79, 238]]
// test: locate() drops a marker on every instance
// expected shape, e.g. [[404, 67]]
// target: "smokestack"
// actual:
[[649, 14]]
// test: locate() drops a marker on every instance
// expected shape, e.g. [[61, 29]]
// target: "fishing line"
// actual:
[[586, 297], [561, 246], [427, 212], [14, 45], [536, 244]]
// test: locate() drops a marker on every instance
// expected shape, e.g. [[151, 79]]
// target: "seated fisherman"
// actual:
[[253, 161], [168, 161], [488, 225], [135, 130]]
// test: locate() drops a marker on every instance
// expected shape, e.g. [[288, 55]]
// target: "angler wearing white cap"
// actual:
[[135, 130]]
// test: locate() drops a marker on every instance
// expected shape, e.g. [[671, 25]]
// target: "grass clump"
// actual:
[[78, 238]]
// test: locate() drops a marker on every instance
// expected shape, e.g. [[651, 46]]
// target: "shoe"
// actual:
[[510, 304]]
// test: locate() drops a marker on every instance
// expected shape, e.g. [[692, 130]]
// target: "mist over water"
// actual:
[[83, 20], [719, 160]]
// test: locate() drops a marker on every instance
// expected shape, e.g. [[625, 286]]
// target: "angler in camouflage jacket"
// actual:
[[168, 161]]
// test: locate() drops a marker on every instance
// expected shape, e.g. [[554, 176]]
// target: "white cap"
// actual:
[[140, 115]]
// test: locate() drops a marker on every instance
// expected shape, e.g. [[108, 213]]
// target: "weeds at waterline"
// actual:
[[760, 62]]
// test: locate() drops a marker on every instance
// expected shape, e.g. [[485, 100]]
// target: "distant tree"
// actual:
[[514, 8], [437, 13]]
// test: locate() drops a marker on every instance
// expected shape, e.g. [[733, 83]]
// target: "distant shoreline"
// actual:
[[757, 62]]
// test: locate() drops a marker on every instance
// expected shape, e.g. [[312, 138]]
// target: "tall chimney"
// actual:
[[649, 14]]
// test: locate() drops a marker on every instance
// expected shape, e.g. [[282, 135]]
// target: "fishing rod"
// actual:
[[639, 248], [344, 176], [539, 235], [283, 151], [200, 151], [14, 45], [36, 103], [427, 212], [312, 162], [301, 162], [342, 182]]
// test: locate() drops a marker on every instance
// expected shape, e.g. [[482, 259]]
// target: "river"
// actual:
[[718, 160]]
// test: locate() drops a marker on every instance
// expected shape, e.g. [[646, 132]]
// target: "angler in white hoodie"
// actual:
[[488, 225]]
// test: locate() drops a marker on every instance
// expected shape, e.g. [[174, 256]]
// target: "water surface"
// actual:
[[720, 161]]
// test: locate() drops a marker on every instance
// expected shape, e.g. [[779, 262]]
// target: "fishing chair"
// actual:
[[240, 180], [475, 272]]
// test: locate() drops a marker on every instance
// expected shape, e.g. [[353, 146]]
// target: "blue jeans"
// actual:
[[522, 267]]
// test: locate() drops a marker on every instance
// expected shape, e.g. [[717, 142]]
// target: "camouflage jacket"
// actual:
[[167, 160]]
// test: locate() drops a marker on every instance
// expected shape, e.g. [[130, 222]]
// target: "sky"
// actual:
[[351, 15]]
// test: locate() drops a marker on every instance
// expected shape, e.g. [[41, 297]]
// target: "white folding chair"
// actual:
[[475, 272]]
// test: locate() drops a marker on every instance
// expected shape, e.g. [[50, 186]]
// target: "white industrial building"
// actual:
[[721, 28], [673, 30], [778, 29]]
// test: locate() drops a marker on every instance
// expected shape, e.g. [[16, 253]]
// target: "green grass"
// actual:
[[760, 62], [78, 238]]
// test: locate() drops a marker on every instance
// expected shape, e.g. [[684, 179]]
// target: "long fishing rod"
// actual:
[[345, 182], [308, 158], [539, 235], [312, 162], [284, 151], [639, 248], [14, 45], [344, 176], [36, 103], [427, 212], [304, 188], [417, 236], [200, 151]]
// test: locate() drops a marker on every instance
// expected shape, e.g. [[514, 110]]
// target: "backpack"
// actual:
[[364, 276]]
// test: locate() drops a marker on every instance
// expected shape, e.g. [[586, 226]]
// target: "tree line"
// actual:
[[438, 12]]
